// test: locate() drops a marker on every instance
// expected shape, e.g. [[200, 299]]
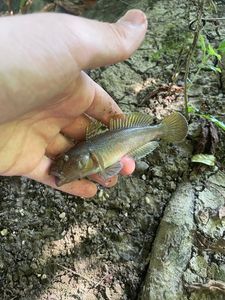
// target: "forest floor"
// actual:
[[161, 227]]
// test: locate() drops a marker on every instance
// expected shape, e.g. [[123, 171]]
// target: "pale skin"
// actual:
[[45, 95]]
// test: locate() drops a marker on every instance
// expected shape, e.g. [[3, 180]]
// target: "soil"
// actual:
[[159, 234]]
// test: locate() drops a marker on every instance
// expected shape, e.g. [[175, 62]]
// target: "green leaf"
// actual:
[[212, 119], [202, 42], [218, 123], [205, 159], [218, 69], [221, 47], [22, 3], [215, 69], [212, 52], [191, 109]]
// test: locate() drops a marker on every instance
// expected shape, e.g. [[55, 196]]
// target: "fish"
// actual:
[[101, 151]]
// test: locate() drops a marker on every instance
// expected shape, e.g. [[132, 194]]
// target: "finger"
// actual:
[[83, 188], [103, 107], [128, 165], [128, 168], [95, 102], [106, 183], [58, 145], [108, 43], [77, 128], [87, 97]]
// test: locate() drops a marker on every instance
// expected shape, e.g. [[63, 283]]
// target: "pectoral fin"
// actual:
[[111, 171], [144, 150]]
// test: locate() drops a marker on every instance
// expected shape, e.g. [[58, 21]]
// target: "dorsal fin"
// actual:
[[129, 120], [95, 128]]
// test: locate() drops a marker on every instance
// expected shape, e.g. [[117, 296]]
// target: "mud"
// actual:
[[56, 246]]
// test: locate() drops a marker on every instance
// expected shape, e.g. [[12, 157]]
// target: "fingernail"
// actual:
[[134, 17]]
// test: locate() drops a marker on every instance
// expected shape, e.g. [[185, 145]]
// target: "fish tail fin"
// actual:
[[175, 127]]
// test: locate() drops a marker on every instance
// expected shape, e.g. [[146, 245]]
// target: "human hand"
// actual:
[[44, 93]]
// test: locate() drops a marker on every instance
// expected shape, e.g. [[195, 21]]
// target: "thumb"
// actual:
[[98, 43]]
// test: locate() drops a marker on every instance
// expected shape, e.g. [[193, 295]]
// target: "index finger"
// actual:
[[103, 107], [96, 103]]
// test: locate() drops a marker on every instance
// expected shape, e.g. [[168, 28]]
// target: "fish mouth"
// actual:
[[59, 179]]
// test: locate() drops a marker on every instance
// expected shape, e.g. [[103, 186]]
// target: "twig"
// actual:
[[101, 280], [213, 19], [191, 51], [78, 274], [211, 285]]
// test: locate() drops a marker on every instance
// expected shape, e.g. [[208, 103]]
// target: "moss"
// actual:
[[199, 265]]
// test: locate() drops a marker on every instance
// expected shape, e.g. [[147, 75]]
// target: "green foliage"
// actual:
[[206, 159], [156, 56], [26, 6], [22, 3], [208, 54], [221, 47], [218, 123], [202, 43], [212, 119]]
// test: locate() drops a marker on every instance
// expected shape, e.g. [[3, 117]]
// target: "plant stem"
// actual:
[[191, 51]]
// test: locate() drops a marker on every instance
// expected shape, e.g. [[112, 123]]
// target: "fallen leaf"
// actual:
[[221, 212], [206, 159]]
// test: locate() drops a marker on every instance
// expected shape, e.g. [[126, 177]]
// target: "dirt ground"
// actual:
[[159, 234]]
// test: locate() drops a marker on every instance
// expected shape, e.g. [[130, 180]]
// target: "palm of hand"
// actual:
[[24, 142], [27, 143]]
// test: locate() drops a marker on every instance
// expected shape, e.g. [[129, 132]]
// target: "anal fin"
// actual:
[[144, 150]]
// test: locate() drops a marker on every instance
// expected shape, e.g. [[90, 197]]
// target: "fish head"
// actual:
[[71, 167]]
